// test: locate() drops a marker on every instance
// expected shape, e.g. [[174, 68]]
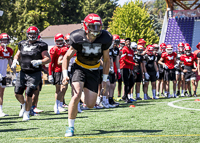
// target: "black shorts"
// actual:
[[40, 86], [3, 82], [100, 76], [152, 77], [190, 76], [112, 78], [28, 81], [89, 77], [161, 75], [138, 77], [169, 75], [57, 77]]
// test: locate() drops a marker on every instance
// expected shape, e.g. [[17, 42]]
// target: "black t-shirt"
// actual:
[[114, 52], [29, 52], [89, 53], [149, 62], [138, 59]]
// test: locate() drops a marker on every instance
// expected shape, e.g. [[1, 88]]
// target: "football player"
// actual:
[[189, 69], [150, 71], [5, 58], [31, 54], [126, 66], [138, 70], [55, 72], [168, 61], [89, 43], [197, 61], [179, 74]]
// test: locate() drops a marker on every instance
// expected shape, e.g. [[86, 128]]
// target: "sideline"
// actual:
[[140, 136], [172, 104]]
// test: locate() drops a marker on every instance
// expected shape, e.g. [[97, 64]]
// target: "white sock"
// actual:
[[71, 122], [1, 107], [138, 95], [107, 102], [23, 106], [104, 98], [129, 96], [98, 100], [27, 113], [154, 92], [157, 93], [165, 92]]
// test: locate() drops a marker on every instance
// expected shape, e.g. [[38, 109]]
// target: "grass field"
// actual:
[[150, 121]]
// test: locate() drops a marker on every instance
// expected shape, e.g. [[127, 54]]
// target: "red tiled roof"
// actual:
[[51, 31]]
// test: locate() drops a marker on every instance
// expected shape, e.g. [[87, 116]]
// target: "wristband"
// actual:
[[65, 73], [105, 77], [118, 70]]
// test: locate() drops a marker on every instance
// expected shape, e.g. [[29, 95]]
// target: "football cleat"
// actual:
[[162, 95], [26, 117], [111, 106], [69, 132], [182, 95], [133, 100], [155, 97], [148, 97], [128, 101], [84, 107], [36, 110], [65, 106], [61, 109], [138, 98], [21, 113], [105, 105], [2, 114], [96, 106]]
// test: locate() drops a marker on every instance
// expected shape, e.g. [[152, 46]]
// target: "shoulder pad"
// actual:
[[53, 50], [77, 36], [105, 37]]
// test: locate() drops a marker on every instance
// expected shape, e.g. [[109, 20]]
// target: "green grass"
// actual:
[[150, 121]]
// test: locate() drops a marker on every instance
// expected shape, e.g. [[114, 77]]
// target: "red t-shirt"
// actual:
[[188, 60], [55, 52], [169, 59], [126, 60]]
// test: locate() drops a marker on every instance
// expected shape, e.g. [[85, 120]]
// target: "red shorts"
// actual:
[[197, 77]]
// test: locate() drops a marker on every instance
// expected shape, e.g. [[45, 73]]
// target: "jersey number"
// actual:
[[26, 48]]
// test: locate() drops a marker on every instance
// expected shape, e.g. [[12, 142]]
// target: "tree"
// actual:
[[132, 20]]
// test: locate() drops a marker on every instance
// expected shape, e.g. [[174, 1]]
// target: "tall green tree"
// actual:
[[132, 20]]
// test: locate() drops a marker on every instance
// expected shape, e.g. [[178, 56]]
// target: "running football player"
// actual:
[[89, 43]]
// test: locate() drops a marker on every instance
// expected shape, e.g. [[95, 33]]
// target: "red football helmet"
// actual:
[[59, 40], [180, 49], [163, 47], [141, 42], [66, 38], [30, 31], [116, 39], [4, 40], [186, 44], [39, 38], [181, 44], [122, 41], [150, 50], [169, 49], [188, 50], [156, 47], [198, 45], [92, 24]]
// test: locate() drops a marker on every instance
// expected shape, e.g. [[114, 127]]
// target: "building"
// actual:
[[49, 33]]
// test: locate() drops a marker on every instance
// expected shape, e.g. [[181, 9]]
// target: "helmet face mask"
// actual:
[[59, 43], [32, 33], [169, 50], [188, 52], [4, 40], [94, 29], [59, 40]]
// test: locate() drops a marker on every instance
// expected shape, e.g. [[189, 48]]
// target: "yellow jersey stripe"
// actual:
[[86, 66]]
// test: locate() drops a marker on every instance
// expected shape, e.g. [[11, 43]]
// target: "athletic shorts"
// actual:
[[40, 86], [152, 78], [138, 77], [112, 78], [89, 77], [197, 77], [179, 72], [100, 76], [161, 75], [169, 75], [190, 76], [57, 77], [28, 81], [3, 82]]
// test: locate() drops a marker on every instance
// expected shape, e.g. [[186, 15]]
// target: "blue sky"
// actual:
[[123, 1]]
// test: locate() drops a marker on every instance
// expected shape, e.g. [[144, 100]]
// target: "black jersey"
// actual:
[[178, 59], [149, 62], [114, 52], [138, 59], [89, 53], [29, 52], [160, 67]]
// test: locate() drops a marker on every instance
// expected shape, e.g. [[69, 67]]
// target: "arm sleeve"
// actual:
[[125, 58], [52, 55]]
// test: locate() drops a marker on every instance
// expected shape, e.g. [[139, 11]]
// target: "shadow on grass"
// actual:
[[122, 131], [100, 110], [10, 118], [58, 118], [16, 130]]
